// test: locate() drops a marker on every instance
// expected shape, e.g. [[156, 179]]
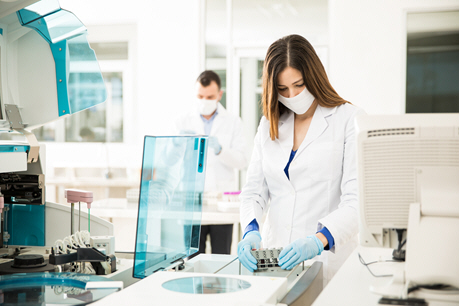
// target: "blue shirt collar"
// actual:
[[210, 119]]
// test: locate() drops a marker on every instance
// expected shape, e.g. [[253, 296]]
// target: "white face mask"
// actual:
[[206, 107], [300, 103]]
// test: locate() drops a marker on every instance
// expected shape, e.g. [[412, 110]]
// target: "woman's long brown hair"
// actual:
[[296, 52]]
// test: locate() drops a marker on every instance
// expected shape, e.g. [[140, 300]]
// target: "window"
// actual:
[[432, 63], [223, 86]]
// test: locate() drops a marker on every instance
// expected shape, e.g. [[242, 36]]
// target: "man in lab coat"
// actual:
[[226, 150]]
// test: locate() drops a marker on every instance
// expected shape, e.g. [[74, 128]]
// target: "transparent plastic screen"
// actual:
[[172, 182], [86, 86]]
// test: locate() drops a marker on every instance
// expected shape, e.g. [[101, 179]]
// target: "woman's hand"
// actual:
[[250, 241], [300, 250]]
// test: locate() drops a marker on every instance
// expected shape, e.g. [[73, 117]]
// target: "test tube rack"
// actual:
[[267, 260]]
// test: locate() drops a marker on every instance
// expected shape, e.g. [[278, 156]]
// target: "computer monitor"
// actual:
[[391, 150]]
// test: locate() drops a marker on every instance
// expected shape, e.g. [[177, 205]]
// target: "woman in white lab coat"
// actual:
[[303, 167]]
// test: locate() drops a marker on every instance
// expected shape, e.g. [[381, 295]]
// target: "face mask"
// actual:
[[206, 107], [300, 103]]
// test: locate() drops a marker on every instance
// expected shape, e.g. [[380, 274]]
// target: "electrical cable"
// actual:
[[403, 243], [398, 253], [373, 262]]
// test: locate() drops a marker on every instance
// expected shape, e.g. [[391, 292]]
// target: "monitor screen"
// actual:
[[391, 149]]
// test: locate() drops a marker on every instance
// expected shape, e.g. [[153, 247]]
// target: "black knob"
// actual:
[[29, 261]]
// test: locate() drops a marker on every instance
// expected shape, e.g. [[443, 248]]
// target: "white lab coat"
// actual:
[[228, 128], [321, 192]]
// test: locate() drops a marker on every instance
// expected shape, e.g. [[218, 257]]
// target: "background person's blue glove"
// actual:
[[250, 241], [300, 250], [214, 144], [187, 132]]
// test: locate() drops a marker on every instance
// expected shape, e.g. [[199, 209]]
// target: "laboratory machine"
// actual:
[[47, 72], [408, 173], [167, 242]]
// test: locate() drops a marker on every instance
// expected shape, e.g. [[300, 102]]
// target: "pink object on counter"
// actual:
[[2, 202], [75, 195], [232, 193]]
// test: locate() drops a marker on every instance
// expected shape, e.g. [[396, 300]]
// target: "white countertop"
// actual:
[[351, 284], [99, 182]]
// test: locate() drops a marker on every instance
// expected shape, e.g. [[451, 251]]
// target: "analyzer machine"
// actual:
[[47, 72]]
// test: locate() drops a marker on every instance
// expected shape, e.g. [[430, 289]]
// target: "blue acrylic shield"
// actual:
[[172, 183]]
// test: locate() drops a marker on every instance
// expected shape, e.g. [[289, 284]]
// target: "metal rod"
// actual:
[[226, 265], [79, 215], [71, 217], [2, 225], [5, 227]]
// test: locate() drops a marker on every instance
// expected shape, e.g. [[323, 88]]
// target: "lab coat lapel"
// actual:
[[317, 126], [286, 135], [198, 125]]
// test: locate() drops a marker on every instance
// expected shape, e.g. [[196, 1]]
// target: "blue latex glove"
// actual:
[[300, 250], [250, 241], [214, 144], [187, 132]]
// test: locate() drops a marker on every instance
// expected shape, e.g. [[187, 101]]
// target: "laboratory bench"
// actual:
[[101, 187], [351, 285]]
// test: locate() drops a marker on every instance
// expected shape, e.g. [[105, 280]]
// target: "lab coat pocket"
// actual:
[[324, 161]]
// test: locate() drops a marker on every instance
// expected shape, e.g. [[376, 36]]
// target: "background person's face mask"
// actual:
[[298, 104], [206, 107]]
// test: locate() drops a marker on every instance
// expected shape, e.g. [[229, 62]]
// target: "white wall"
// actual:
[[367, 41], [367, 57], [167, 52], [166, 66], [259, 23]]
